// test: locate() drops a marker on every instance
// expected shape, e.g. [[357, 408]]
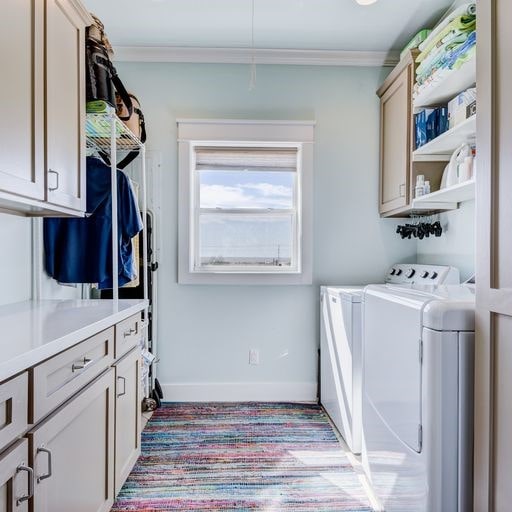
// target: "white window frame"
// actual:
[[235, 133]]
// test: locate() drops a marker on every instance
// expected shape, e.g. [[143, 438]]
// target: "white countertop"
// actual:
[[33, 331]]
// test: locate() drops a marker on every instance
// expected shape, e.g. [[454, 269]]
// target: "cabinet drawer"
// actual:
[[128, 334], [60, 377], [13, 409]]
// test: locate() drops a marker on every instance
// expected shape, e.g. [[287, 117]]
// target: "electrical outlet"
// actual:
[[254, 356]]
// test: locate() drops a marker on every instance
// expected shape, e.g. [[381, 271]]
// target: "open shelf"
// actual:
[[449, 141], [448, 84], [446, 198], [98, 130]]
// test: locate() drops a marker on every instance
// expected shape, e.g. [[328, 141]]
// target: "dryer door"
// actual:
[[392, 366]]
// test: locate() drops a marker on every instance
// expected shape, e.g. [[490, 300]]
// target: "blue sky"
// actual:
[[246, 189]]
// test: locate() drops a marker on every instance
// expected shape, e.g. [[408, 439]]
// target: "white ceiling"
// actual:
[[278, 24]]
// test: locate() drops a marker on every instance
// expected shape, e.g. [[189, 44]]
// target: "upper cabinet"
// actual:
[[42, 157], [396, 138], [398, 167], [65, 105], [22, 99]]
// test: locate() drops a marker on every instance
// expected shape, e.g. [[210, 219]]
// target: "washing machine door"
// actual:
[[392, 361]]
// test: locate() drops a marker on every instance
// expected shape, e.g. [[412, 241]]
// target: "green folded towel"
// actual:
[[461, 23], [98, 107], [415, 41]]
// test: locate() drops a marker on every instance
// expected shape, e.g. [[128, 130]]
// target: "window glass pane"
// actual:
[[264, 240], [246, 189]]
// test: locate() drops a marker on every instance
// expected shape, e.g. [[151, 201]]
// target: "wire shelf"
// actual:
[[98, 130]]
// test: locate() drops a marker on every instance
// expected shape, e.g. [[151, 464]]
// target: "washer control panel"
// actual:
[[403, 273]]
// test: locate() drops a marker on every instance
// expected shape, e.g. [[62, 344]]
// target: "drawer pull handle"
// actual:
[[129, 332], [49, 473], [82, 365], [30, 472], [124, 386], [56, 186]]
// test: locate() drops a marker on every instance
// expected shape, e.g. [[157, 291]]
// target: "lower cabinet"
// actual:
[[16, 478], [71, 453], [128, 412], [85, 427]]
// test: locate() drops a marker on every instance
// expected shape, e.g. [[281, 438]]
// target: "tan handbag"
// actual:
[[135, 122]]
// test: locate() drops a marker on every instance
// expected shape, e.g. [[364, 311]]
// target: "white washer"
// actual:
[[418, 396], [341, 345], [341, 361]]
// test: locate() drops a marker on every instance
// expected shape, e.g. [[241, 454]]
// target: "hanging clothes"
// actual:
[[80, 250]]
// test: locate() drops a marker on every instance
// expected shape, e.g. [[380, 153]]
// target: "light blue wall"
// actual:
[[457, 245], [15, 259], [206, 331], [16, 263]]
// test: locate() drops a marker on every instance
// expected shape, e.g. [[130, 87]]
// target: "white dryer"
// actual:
[[418, 396], [341, 344]]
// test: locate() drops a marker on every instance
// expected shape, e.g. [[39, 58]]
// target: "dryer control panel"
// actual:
[[413, 273]]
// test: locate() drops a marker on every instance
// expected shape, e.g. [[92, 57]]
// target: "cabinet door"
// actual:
[[73, 450], [22, 97], [493, 350], [16, 479], [128, 409], [395, 111], [65, 105]]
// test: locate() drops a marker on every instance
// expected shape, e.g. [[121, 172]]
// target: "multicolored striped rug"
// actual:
[[241, 457]]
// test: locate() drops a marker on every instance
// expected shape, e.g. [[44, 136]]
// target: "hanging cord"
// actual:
[[252, 81]]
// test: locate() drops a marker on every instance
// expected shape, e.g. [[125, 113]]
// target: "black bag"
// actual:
[[102, 80]]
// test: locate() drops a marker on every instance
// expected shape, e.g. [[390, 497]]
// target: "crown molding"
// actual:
[[258, 56]]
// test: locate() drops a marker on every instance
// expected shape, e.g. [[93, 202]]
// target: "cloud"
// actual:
[[250, 195], [269, 190]]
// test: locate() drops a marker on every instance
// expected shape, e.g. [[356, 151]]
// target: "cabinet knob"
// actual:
[[30, 474], [56, 186], [401, 190]]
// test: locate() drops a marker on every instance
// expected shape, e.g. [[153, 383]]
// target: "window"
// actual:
[[246, 211], [244, 205]]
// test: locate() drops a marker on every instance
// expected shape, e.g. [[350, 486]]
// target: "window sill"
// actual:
[[244, 279]]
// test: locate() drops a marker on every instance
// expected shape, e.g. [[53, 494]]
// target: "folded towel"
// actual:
[[461, 24], [468, 8], [454, 60], [451, 43], [463, 53]]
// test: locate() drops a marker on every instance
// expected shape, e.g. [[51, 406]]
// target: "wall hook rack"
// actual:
[[421, 227]]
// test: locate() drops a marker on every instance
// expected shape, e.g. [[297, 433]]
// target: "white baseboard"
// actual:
[[240, 392]]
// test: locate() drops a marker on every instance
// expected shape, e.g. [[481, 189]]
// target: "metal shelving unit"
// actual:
[[106, 133]]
